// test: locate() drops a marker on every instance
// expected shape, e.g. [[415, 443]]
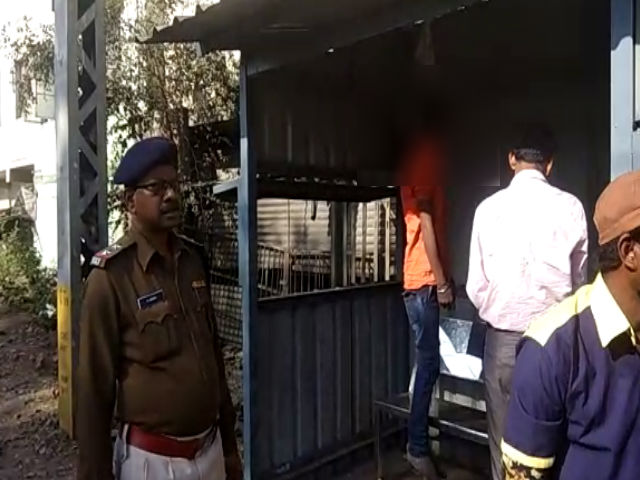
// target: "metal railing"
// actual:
[[367, 256]]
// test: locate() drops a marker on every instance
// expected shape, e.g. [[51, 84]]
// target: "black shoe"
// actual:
[[425, 466]]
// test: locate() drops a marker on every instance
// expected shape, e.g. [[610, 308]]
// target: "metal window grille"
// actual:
[[297, 252], [286, 266]]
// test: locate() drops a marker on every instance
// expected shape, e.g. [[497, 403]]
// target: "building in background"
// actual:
[[27, 136]]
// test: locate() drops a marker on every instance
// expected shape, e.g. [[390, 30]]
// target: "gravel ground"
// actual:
[[233, 366], [31, 443]]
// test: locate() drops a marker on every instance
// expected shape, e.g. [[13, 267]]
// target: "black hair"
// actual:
[[535, 143], [608, 257]]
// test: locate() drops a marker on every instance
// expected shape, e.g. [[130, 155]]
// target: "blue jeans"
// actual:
[[423, 312]]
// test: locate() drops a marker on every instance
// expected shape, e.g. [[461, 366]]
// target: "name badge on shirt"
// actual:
[[149, 300], [198, 284]]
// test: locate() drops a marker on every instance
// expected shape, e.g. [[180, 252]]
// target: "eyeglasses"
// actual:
[[159, 187]]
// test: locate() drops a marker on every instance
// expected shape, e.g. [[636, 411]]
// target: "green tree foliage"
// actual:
[[32, 53], [24, 283], [148, 89], [148, 86]]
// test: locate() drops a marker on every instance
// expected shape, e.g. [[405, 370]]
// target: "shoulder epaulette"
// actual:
[[101, 258], [542, 328]]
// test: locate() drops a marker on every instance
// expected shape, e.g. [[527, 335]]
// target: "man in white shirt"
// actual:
[[528, 252]]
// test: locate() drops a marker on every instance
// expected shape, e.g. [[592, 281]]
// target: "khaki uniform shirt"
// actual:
[[149, 348]]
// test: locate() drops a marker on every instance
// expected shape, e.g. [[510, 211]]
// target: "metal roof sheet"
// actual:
[[266, 24]]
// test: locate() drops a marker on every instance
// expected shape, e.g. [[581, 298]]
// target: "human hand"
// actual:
[[446, 295]]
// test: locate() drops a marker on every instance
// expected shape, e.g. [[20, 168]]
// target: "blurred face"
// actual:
[[155, 202]]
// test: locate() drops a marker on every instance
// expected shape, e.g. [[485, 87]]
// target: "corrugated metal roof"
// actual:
[[211, 20], [235, 24], [265, 24]]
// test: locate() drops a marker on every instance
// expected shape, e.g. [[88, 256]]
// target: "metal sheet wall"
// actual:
[[301, 225], [310, 123], [282, 223], [324, 358]]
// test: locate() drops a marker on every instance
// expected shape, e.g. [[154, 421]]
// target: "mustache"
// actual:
[[170, 207]]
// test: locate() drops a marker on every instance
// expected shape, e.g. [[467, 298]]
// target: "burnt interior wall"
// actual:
[[501, 62], [333, 115], [507, 61], [324, 357]]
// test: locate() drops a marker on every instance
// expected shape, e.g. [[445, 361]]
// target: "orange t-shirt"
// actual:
[[422, 168]]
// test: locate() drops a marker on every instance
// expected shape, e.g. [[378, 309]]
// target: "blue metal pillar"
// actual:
[[624, 141], [247, 234]]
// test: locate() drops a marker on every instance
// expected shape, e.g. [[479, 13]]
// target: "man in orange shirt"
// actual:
[[427, 285]]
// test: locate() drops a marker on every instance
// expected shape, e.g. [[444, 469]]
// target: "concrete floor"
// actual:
[[396, 468]]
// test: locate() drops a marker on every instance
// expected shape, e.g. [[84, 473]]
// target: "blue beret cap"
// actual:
[[143, 157]]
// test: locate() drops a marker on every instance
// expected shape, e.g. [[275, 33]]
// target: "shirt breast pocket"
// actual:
[[158, 332], [204, 307]]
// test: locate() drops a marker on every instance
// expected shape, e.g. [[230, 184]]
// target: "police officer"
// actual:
[[148, 344]]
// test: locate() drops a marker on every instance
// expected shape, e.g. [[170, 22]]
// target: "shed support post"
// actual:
[[80, 76], [247, 259], [363, 245], [387, 240], [400, 239], [338, 244], [376, 242], [624, 135]]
